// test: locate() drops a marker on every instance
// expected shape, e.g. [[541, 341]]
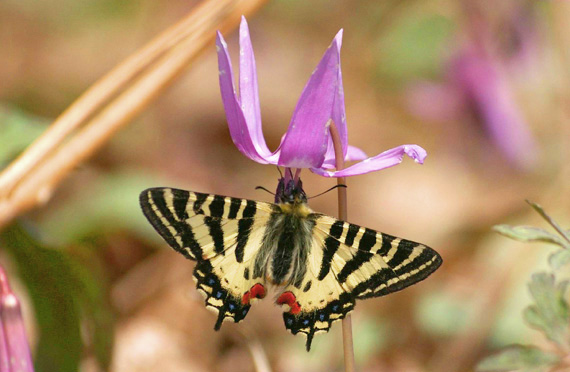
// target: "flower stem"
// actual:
[[348, 345]]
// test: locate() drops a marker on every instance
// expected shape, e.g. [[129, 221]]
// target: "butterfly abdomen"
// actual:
[[282, 258]]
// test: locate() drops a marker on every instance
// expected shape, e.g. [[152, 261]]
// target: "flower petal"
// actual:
[[248, 92], [384, 160], [352, 154], [239, 129], [338, 112], [307, 137], [16, 350]]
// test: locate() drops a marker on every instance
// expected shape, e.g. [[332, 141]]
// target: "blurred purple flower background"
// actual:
[[477, 85]]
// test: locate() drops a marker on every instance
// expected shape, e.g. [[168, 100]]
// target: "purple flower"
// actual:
[[486, 89], [307, 143], [14, 348], [477, 85]]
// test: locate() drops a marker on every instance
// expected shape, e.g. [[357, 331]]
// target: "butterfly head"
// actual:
[[290, 192]]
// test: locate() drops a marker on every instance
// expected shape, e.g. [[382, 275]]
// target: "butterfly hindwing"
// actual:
[[348, 262], [220, 233]]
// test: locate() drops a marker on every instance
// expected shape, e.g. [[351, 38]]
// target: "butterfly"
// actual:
[[320, 265]]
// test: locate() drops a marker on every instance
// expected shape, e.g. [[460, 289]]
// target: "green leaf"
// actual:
[[552, 223], [17, 130], [550, 313], [559, 259], [530, 234], [68, 303], [518, 358]]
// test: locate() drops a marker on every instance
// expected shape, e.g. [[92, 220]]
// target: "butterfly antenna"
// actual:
[[324, 192], [280, 173], [264, 189]]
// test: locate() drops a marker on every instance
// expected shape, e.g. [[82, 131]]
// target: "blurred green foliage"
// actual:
[[519, 358], [441, 314], [17, 130], [109, 205], [71, 309], [550, 310], [414, 48]]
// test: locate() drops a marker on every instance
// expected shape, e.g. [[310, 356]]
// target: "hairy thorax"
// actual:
[[282, 259]]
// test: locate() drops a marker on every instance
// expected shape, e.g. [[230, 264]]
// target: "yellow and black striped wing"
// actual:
[[222, 234], [348, 262]]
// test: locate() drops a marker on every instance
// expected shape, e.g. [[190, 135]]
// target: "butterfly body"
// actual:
[[319, 264], [287, 242]]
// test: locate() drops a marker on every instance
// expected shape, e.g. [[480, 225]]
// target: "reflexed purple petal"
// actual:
[[384, 160], [307, 138], [15, 340], [353, 154], [239, 129], [248, 93]]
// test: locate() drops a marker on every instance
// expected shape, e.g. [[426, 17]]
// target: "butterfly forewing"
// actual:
[[222, 234]]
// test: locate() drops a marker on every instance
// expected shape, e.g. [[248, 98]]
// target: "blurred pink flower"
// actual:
[[307, 142], [14, 349], [486, 89], [476, 84]]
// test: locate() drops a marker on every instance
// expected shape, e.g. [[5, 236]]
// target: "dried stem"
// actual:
[[347, 341], [111, 103]]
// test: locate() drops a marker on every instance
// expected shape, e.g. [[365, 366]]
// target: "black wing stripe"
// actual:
[[250, 209], [330, 247], [351, 234], [180, 202], [200, 200], [216, 233], [244, 229], [235, 206], [367, 241], [217, 206], [386, 244]]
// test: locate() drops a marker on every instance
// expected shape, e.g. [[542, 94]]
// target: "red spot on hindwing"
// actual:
[[256, 291], [289, 299]]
